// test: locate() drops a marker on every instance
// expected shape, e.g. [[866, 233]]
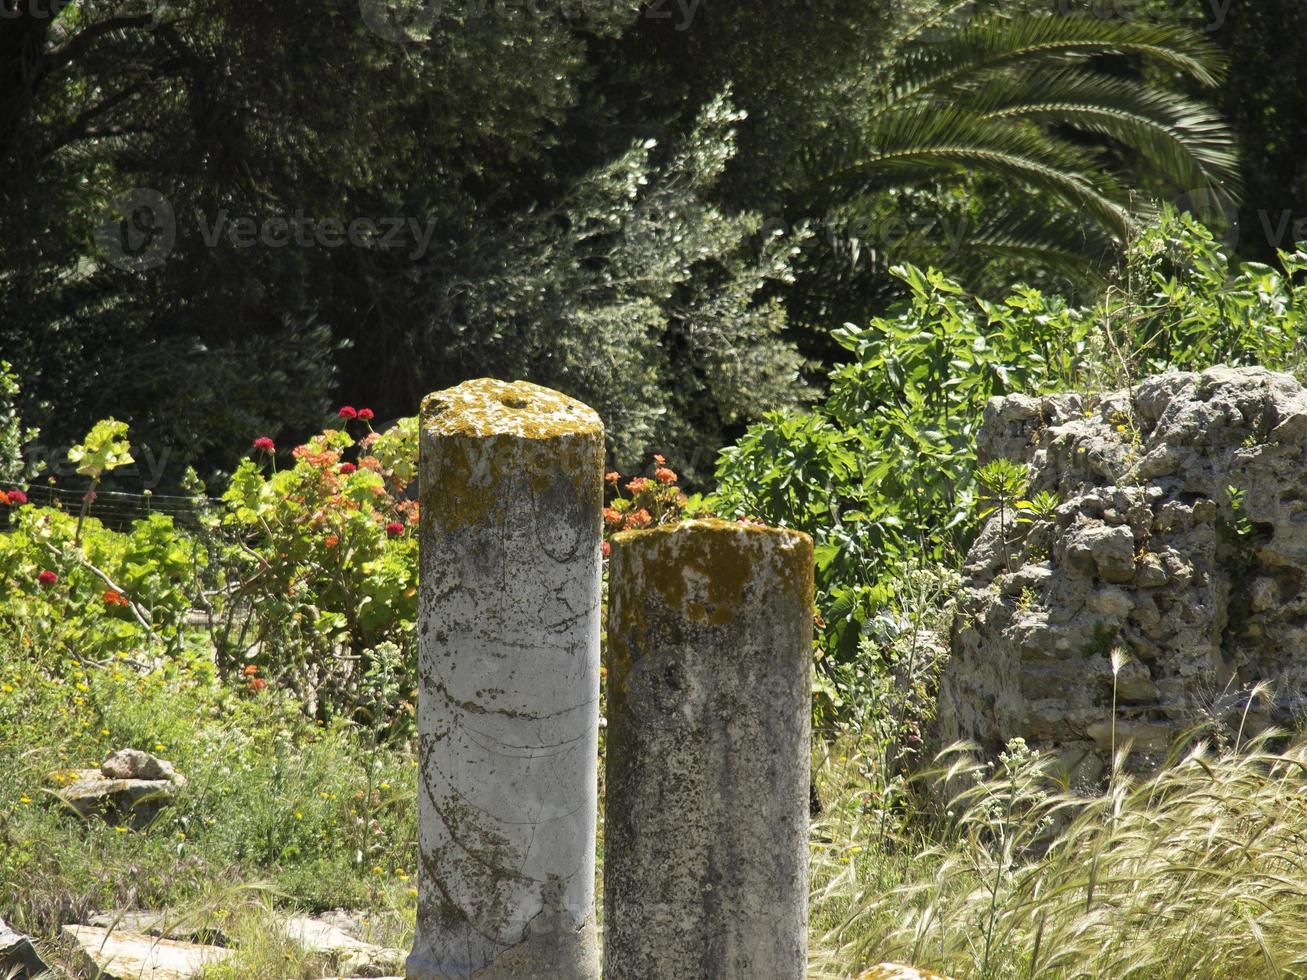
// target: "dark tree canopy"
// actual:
[[222, 217]]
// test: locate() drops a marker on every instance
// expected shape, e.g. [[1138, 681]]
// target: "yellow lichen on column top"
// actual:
[[722, 556], [487, 407]]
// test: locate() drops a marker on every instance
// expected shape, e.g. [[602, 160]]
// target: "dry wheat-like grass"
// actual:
[[1197, 871]]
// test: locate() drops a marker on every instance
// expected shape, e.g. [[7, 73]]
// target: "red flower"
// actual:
[[348, 412], [637, 485], [17, 498], [47, 577], [265, 444], [607, 549], [394, 529], [347, 468], [612, 517], [366, 414], [638, 519], [612, 477], [256, 684], [664, 475], [89, 496]]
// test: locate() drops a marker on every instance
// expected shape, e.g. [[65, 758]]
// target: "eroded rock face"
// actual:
[[119, 955], [1148, 552], [135, 764], [18, 957], [130, 787]]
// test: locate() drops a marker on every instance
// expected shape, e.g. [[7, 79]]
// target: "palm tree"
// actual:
[[1071, 115]]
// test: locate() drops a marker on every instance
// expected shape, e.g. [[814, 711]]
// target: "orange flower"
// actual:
[[331, 540], [638, 519], [112, 597], [664, 475], [638, 485], [250, 670], [612, 517], [315, 457], [256, 684], [661, 461], [612, 477]]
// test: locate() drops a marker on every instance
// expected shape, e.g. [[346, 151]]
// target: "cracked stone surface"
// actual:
[[121, 955], [18, 957], [512, 489], [130, 787], [707, 789], [1147, 553]]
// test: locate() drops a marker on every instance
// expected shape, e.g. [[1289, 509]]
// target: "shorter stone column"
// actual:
[[709, 716]]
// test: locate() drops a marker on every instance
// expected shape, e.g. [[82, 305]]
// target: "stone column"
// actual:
[[706, 817], [508, 665]]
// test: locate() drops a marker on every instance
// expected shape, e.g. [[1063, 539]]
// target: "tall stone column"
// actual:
[[508, 632], [706, 816]]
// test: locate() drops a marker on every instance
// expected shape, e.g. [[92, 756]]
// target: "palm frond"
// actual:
[[1184, 139], [1027, 39], [917, 138], [998, 98]]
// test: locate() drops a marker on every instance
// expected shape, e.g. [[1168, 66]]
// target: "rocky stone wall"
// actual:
[[1169, 576]]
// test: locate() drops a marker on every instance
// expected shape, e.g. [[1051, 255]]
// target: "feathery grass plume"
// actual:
[[1197, 871]]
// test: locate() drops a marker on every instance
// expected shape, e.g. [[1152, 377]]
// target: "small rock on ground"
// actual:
[[133, 956], [129, 787], [18, 957], [162, 925], [352, 955], [135, 764]]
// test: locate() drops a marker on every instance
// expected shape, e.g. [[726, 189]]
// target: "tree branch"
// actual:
[[78, 45]]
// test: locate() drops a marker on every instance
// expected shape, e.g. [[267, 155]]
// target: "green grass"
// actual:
[[1198, 872], [277, 811]]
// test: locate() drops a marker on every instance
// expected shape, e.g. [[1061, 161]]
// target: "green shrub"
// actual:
[[12, 432], [883, 472], [320, 570], [273, 801], [1183, 305]]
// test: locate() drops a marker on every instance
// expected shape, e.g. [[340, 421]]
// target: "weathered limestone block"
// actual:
[[18, 957], [119, 955], [135, 764], [512, 486], [351, 955], [707, 771], [1201, 593], [130, 787]]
